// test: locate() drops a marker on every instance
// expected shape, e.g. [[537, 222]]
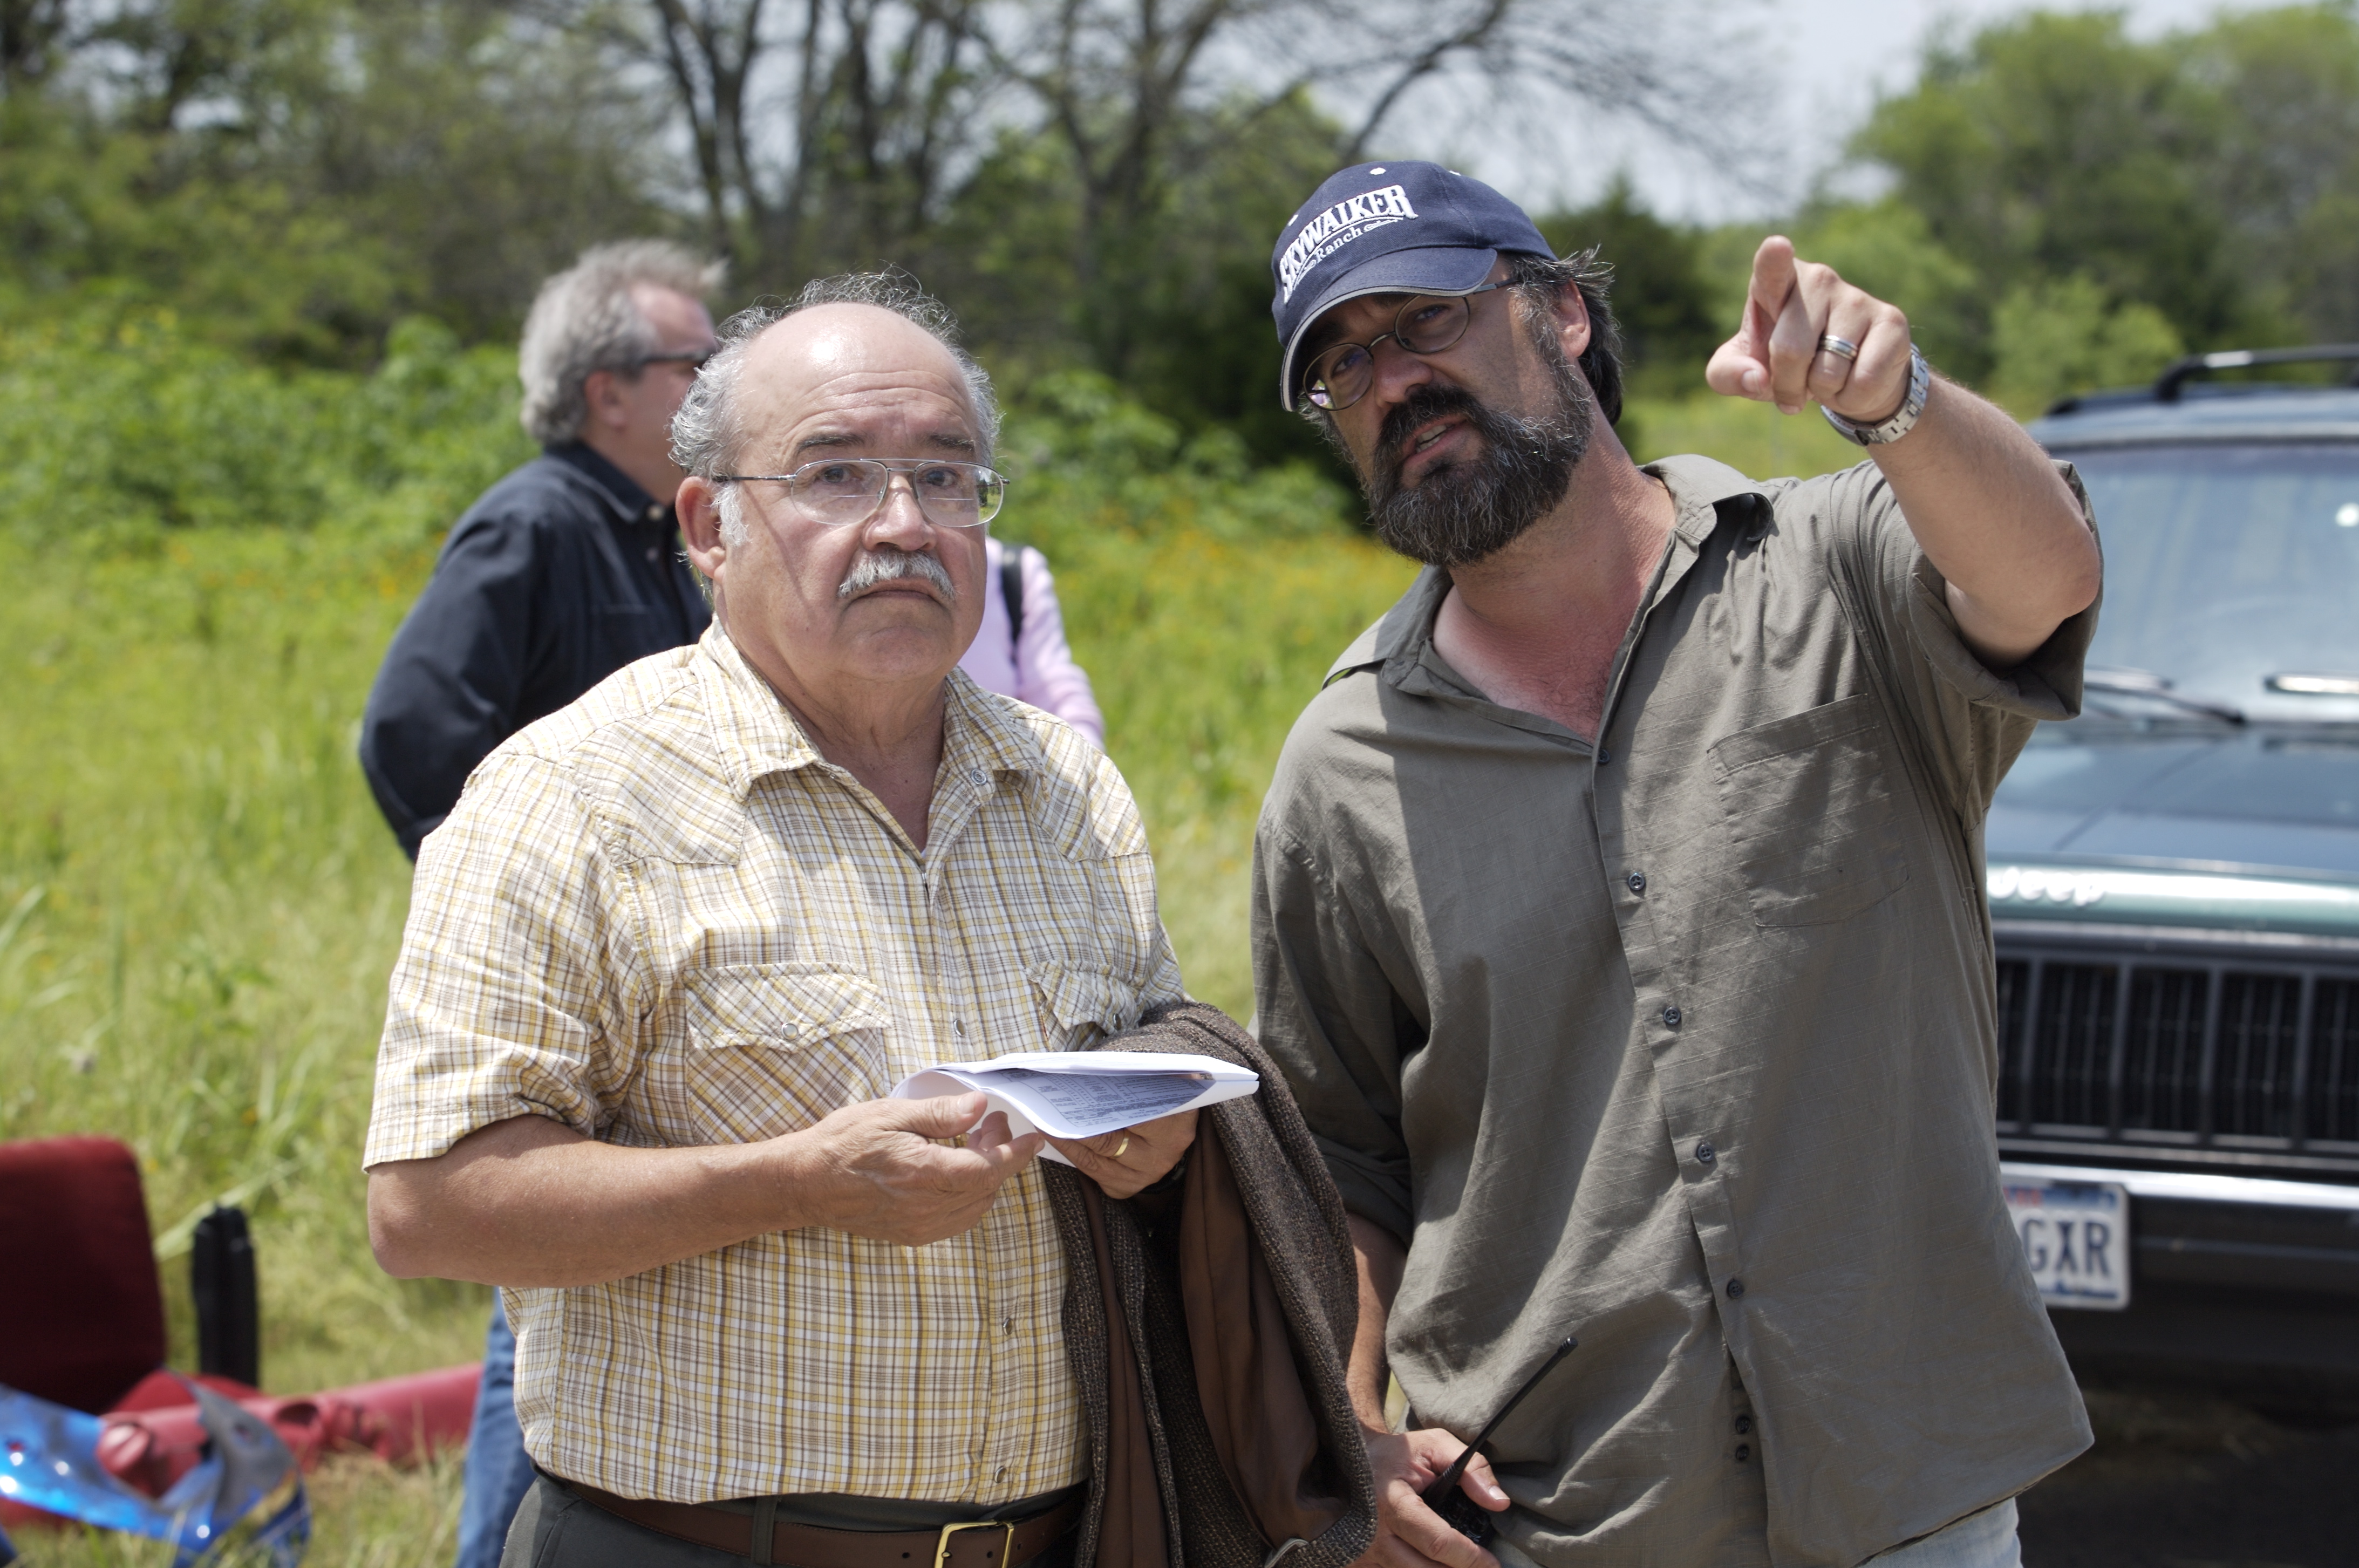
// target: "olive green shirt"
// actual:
[[1684, 1042]]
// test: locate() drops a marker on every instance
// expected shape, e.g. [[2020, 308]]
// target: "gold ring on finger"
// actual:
[[1842, 348], [1121, 1147]]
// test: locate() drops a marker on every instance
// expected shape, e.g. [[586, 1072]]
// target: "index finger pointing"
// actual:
[[1773, 278], [1766, 294]]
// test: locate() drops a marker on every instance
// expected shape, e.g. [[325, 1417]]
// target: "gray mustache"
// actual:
[[889, 565]]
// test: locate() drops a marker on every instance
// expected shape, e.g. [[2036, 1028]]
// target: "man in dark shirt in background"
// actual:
[[569, 567], [562, 574]]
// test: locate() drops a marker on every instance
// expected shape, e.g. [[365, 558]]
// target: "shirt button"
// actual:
[[1671, 1017], [1638, 881], [1008, 1327], [958, 1028], [1603, 756], [1002, 1473], [1744, 1425], [1735, 1290], [1706, 1153], [1744, 1452], [655, 512]]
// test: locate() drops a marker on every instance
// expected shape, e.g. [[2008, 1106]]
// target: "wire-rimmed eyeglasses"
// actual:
[[838, 492], [1341, 375]]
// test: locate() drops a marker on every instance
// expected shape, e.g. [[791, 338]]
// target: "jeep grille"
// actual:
[[2242, 1059]]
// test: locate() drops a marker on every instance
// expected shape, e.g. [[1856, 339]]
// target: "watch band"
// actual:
[[1920, 383]]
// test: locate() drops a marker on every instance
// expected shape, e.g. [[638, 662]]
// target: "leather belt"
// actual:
[[985, 1544]]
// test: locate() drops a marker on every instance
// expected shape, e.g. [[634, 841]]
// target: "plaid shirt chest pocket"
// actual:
[[772, 1048], [1080, 1004]]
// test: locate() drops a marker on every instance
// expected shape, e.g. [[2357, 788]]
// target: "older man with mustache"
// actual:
[[1618, 916], [680, 940]]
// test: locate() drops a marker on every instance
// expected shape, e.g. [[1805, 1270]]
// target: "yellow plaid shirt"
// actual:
[[659, 916]]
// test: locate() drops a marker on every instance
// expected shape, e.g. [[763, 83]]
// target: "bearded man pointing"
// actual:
[[1618, 914]]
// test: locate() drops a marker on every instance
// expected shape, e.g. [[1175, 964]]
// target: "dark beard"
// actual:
[[1464, 511]]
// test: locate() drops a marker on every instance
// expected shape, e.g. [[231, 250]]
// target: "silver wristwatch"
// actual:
[[1920, 382]]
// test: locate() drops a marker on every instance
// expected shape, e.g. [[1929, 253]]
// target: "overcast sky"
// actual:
[[1825, 61]]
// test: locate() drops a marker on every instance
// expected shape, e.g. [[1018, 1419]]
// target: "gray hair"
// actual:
[[584, 320], [706, 433], [1540, 280]]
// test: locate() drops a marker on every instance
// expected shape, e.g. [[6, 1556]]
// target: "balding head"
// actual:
[[831, 378], [710, 430]]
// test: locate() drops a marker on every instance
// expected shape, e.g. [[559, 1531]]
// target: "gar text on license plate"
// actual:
[[2076, 1236]]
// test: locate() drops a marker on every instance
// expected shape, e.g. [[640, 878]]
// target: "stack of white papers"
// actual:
[[1085, 1094]]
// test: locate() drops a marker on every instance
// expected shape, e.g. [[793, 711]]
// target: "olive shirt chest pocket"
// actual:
[[1811, 806], [776, 1047]]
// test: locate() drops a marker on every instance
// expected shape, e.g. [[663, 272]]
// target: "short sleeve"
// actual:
[[1326, 1012], [1973, 720], [505, 1000]]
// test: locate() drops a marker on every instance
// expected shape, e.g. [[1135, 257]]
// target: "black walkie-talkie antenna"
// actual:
[[1467, 1517]]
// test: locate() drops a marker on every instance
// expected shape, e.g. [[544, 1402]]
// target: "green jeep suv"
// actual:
[[2174, 888]]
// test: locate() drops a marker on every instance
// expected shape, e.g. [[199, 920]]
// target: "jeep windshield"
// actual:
[[2231, 581]]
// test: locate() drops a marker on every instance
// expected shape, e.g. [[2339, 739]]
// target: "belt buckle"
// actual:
[[942, 1541]]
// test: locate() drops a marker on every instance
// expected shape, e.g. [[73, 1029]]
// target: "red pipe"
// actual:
[[400, 1420]]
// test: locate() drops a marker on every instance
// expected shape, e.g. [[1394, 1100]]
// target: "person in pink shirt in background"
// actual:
[[1024, 654]]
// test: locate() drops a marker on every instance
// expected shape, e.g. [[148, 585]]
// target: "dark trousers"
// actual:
[[555, 1528]]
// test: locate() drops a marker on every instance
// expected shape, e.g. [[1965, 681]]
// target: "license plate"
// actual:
[[2076, 1236]]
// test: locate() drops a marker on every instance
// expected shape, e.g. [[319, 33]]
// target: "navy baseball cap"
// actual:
[[1388, 228]]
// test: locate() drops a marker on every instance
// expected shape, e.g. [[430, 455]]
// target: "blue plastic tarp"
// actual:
[[49, 1459]]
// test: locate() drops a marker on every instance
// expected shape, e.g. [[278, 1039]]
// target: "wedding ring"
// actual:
[[1120, 1148], [1842, 348]]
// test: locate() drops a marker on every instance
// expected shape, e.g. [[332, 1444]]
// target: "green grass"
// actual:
[[205, 905], [199, 904]]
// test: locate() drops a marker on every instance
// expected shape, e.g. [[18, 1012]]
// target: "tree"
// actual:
[[1124, 84], [2050, 338], [847, 160], [2287, 173], [849, 128], [2057, 146], [294, 175], [33, 33]]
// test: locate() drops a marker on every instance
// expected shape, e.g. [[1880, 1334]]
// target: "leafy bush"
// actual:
[[120, 426], [2050, 338], [1087, 462]]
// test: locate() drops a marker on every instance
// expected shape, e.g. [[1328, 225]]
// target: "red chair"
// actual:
[[83, 1320], [81, 1325]]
